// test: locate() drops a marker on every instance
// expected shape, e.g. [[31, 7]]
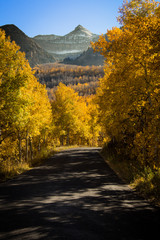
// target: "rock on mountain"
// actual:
[[87, 58], [71, 45], [34, 53]]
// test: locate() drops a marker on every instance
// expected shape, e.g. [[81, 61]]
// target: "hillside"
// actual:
[[34, 53], [70, 45], [87, 58], [82, 79]]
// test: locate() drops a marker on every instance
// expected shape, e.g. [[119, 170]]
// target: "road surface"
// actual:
[[74, 196]]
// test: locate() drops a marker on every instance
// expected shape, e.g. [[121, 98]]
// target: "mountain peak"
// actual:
[[82, 32], [79, 27]]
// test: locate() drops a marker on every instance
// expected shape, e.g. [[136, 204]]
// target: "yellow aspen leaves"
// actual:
[[72, 117], [128, 95], [25, 109]]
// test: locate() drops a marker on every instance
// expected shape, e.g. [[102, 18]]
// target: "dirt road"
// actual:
[[74, 196]]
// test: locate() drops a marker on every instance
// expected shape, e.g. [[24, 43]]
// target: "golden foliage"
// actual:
[[72, 117], [25, 110], [128, 95]]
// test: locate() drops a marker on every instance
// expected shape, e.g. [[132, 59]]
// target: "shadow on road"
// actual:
[[75, 195]]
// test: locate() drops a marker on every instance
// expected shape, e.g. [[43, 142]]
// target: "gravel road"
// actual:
[[74, 196]]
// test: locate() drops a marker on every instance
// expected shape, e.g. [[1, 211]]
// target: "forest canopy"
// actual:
[[128, 94], [83, 79], [25, 110]]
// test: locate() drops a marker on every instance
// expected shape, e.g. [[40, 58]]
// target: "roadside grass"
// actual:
[[144, 180], [148, 185], [11, 168]]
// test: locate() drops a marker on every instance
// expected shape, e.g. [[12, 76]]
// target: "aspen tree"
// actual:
[[128, 93], [24, 105]]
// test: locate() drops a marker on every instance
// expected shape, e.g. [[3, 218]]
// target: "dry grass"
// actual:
[[143, 179], [9, 169]]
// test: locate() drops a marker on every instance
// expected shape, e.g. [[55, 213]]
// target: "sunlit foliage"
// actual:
[[128, 95], [25, 110], [72, 118]]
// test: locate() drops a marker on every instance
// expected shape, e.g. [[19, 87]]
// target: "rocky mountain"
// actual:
[[73, 48], [87, 58], [34, 53], [71, 45]]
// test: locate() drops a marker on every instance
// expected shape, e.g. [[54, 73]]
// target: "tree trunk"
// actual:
[[61, 140], [27, 146], [68, 142], [39, 144], [31, 148], [44, 139], [0, 135], [20, 146]]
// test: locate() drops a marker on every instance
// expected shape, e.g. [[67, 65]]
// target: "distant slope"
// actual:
[[88, 57], [71, 45], [83, 79], [34, 53]]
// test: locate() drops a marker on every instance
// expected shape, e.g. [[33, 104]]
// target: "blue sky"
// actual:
[[59, 16]]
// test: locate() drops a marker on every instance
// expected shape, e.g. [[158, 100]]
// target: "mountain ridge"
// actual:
[[34, 53], [71, 45], [87, 58], [72, 48]]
